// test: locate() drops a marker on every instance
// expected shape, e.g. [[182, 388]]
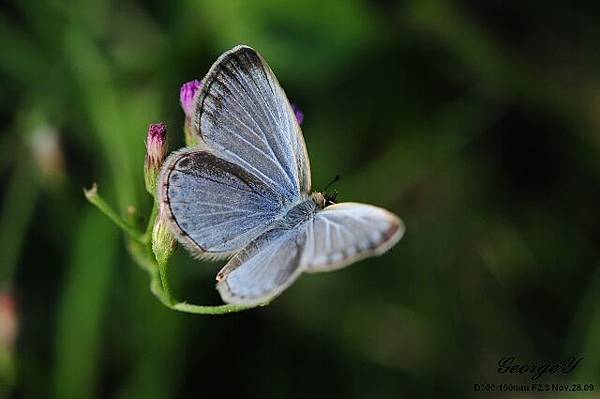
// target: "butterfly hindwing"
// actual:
[[245, 191], [215, 206], [327, 240], [263, 269]]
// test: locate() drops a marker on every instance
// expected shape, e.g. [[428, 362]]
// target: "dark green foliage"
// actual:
[[476, 122]]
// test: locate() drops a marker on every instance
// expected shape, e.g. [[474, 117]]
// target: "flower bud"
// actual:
[[156, 151], [187, 96], [163, 242], [9, 322], [298, 113], [191, 140]]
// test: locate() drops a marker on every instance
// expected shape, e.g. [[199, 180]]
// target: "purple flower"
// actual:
[[187, 95], [298, 113], [156, 142], [156, 151]]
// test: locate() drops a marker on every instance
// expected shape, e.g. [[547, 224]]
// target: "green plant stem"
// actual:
[[151, 220], [96, 200], [140, 254], [163, 274], [212, 310], [139, 247]]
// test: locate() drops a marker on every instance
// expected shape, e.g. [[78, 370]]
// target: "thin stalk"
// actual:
[[96, 200], [212, 310], [158, 270], [151, 220], [163, 274]]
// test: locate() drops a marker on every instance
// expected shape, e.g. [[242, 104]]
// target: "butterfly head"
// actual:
[[324, 199], [330, 198]]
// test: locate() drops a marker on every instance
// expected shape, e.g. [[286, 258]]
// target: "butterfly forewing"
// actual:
[[344, 233], [327, 240], [246, 192], [243, 114], [243, 117]]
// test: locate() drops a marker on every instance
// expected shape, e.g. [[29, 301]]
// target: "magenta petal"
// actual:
[[187, 95], [299, 114], [156, 142]]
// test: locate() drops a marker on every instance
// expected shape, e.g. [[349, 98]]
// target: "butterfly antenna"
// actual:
[[335, 180], [333, 196]]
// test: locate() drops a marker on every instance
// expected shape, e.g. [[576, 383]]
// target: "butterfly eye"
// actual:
[[330, 198]]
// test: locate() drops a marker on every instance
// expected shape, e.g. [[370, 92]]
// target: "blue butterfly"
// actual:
[[245, 192]]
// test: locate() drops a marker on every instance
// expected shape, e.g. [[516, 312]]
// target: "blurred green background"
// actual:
[[477, 122]]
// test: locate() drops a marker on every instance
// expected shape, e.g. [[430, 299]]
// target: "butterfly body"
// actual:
[[245, 192]]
